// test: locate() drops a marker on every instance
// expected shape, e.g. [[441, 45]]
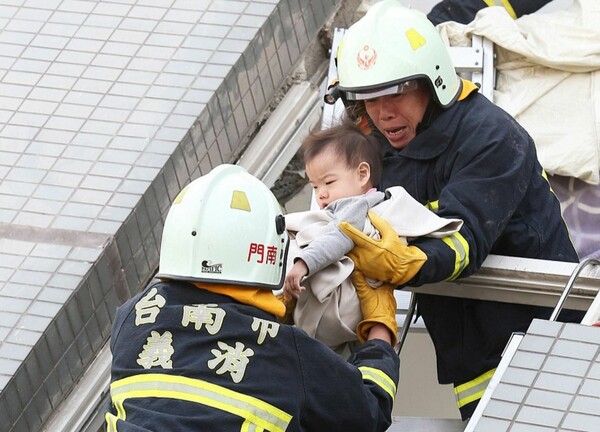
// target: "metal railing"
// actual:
[[525, 280]]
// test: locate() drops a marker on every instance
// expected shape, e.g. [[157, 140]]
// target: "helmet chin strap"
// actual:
[[431, 113]]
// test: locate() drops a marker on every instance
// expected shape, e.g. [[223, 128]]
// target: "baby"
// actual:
[[343, 166]]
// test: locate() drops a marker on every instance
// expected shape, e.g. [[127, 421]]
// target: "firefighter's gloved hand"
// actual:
[[290, 305], [388, 259], [378, 306]]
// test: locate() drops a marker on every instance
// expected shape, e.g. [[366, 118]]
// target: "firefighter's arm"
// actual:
[[388, 259], [378, 307], [365, 387], [464, 11], [380, 331]]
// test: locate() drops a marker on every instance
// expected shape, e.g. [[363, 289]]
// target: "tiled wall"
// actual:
[[108, 108]]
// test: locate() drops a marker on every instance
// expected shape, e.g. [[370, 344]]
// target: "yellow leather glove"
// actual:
[[378, 306], [388, 259], [290, 304]]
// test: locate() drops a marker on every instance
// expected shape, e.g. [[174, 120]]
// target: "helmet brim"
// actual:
[[403, 87]]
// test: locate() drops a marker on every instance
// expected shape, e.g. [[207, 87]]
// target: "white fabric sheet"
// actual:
[[548, 78]]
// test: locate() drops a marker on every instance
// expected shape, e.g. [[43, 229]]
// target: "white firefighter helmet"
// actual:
[[225, 227], [392, 45]]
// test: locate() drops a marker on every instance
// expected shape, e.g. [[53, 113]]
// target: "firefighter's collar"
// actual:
[[258, 297], [468, 87]]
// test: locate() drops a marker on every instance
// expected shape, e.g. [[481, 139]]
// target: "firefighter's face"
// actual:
[[397, 116]]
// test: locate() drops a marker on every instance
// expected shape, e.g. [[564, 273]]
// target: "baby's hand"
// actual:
[[291, 286]]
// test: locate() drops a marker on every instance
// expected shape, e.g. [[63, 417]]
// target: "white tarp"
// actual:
[[548, 78]]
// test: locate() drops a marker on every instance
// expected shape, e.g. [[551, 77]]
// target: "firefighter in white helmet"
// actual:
[[463, 157], [202, 348]]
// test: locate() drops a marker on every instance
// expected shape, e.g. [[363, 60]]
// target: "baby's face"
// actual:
[[331, 179]]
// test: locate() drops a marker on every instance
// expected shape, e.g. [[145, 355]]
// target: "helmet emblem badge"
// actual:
[[209, 267], [366, 57]]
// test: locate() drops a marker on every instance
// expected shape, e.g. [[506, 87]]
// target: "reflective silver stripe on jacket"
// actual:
[[379, 378], [472, 390], [258, 415], [460, 246], [457, 243]]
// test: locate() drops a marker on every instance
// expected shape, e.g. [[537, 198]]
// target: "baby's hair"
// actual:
[[348, 142]]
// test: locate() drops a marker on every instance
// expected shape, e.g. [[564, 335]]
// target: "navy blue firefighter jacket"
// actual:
[[476, 163], [186, 359]]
